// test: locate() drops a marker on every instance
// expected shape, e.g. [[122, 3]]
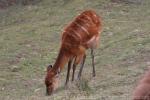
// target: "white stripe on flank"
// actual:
[[88, 17], [95, 15], [78, 35], [84, 29], [85, 21]]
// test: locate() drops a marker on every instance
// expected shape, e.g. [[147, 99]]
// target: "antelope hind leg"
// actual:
[[93, 65]]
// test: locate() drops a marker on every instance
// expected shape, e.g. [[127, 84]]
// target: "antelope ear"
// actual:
[[49, 67]]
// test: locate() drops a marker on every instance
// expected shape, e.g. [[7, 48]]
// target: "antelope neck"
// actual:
[[60, 62]]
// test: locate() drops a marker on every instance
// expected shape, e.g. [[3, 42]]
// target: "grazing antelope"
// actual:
[[142, 91], [81, 34]]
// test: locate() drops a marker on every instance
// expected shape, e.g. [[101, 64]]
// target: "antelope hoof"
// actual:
[[94, 74], [78, 79], [66, 86]]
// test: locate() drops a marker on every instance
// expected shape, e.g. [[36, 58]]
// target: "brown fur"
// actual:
[[82, 33], [142, 91]]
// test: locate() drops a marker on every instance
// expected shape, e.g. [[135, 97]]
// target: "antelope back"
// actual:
[[81, 29]]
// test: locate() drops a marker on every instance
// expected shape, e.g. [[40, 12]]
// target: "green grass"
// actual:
[[30, 39]]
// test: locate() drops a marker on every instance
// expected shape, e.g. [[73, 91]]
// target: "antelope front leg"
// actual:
[[81, 67], [77, 60], [74, 68], [68, 71], [93, 65]]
